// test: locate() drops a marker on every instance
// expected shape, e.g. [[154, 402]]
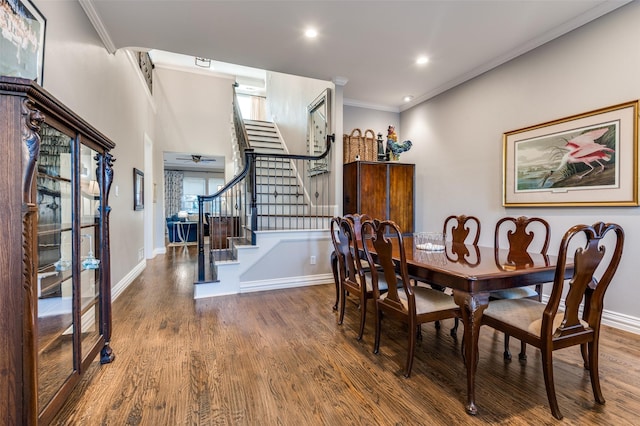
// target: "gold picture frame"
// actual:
[[588, 159]]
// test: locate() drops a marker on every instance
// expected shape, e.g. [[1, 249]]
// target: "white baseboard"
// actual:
[[289, 282], [117, 289], [621, 321]]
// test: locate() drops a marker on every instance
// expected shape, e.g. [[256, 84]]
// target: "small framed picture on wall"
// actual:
[[138, 190]]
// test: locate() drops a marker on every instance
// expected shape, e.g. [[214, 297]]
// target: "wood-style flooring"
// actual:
[[280, 358]]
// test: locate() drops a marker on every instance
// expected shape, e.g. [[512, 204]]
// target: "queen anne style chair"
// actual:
[[357, 220], [524, 235], [353, 278], [545, 326], [413, 305], [463, 229]]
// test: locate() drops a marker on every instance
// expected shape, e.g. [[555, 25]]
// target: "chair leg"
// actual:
[[437, 324], [547, 368], [593, 372], [363, 314], [454, 330], [507, 352], [343, 297], [585, 355], [376, 342], [336, 278], [412, 345], [522, 356]]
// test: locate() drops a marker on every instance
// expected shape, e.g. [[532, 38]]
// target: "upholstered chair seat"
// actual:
[[524, 314]]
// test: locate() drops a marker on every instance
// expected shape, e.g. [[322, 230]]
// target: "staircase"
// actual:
[[283, 213], [281, 198], [264, 137]]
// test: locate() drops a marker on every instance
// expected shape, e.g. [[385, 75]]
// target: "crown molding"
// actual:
[[94, 17], [367, 105]]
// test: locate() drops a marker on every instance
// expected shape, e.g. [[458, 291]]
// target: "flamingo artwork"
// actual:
[[584, 149]]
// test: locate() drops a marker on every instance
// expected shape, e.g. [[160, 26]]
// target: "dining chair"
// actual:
[[357, 220], [522, 235], [414, 305], [546, 326], [353, 278], [463, 229]]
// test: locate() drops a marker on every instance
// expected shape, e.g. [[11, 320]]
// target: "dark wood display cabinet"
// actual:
[[383, 190], [55, 293]]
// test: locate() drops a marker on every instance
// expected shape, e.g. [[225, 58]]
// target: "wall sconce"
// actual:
[[203, 62]]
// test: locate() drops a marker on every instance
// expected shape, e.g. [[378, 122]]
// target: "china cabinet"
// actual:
[[383, 190], [55, 293]]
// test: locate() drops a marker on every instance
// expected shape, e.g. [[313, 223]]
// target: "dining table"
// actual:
[[473, 272]]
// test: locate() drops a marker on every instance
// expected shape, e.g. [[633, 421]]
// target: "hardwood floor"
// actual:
[[279, 358]]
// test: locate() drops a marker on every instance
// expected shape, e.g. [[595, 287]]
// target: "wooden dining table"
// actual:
[[472, 272]]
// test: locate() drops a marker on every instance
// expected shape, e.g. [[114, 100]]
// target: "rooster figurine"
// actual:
[[395, 148]]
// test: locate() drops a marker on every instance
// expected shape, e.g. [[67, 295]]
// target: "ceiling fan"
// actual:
[[195, 158]]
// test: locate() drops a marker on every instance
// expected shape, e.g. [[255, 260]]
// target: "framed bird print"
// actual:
[[589, 159]]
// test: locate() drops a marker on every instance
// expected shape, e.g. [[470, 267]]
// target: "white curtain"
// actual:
[[173, 184]]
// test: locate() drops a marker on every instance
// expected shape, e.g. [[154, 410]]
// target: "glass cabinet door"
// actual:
[[89, 250], [55, 324]]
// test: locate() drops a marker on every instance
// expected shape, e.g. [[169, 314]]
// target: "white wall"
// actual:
[[458, 135], [378, 121], [194, 116], [287, 100], [106, 91]]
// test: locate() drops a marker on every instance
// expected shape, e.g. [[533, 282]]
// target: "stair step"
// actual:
[[264, 137], [258, 123]]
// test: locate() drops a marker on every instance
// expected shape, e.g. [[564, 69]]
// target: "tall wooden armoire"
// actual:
[[383, 190], [55, 286]]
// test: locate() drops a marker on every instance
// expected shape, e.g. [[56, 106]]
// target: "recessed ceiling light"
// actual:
[[311, 33], [422, 60], [407, 98]]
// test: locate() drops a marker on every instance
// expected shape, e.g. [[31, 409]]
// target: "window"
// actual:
[[251, 107], [192, 186]]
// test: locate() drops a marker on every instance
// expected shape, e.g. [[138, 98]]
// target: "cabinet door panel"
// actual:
[[373, 183], [350, 188], [401, 196]]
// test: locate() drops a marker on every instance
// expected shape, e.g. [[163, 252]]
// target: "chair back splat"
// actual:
[[546, 326], [584, 285], [523, 235], [413, 305], [460, 227]]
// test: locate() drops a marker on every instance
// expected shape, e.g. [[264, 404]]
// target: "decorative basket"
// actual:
[[357, 145]]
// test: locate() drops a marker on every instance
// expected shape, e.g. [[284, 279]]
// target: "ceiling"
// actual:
[[186, 162], [369, 46]]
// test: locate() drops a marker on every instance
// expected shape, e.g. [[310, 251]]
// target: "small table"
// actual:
[[184, 230]]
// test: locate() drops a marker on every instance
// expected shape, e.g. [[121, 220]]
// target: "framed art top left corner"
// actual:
[[22, 40]]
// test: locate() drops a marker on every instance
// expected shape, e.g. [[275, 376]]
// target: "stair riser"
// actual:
[[292, 222], [293, 200]]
